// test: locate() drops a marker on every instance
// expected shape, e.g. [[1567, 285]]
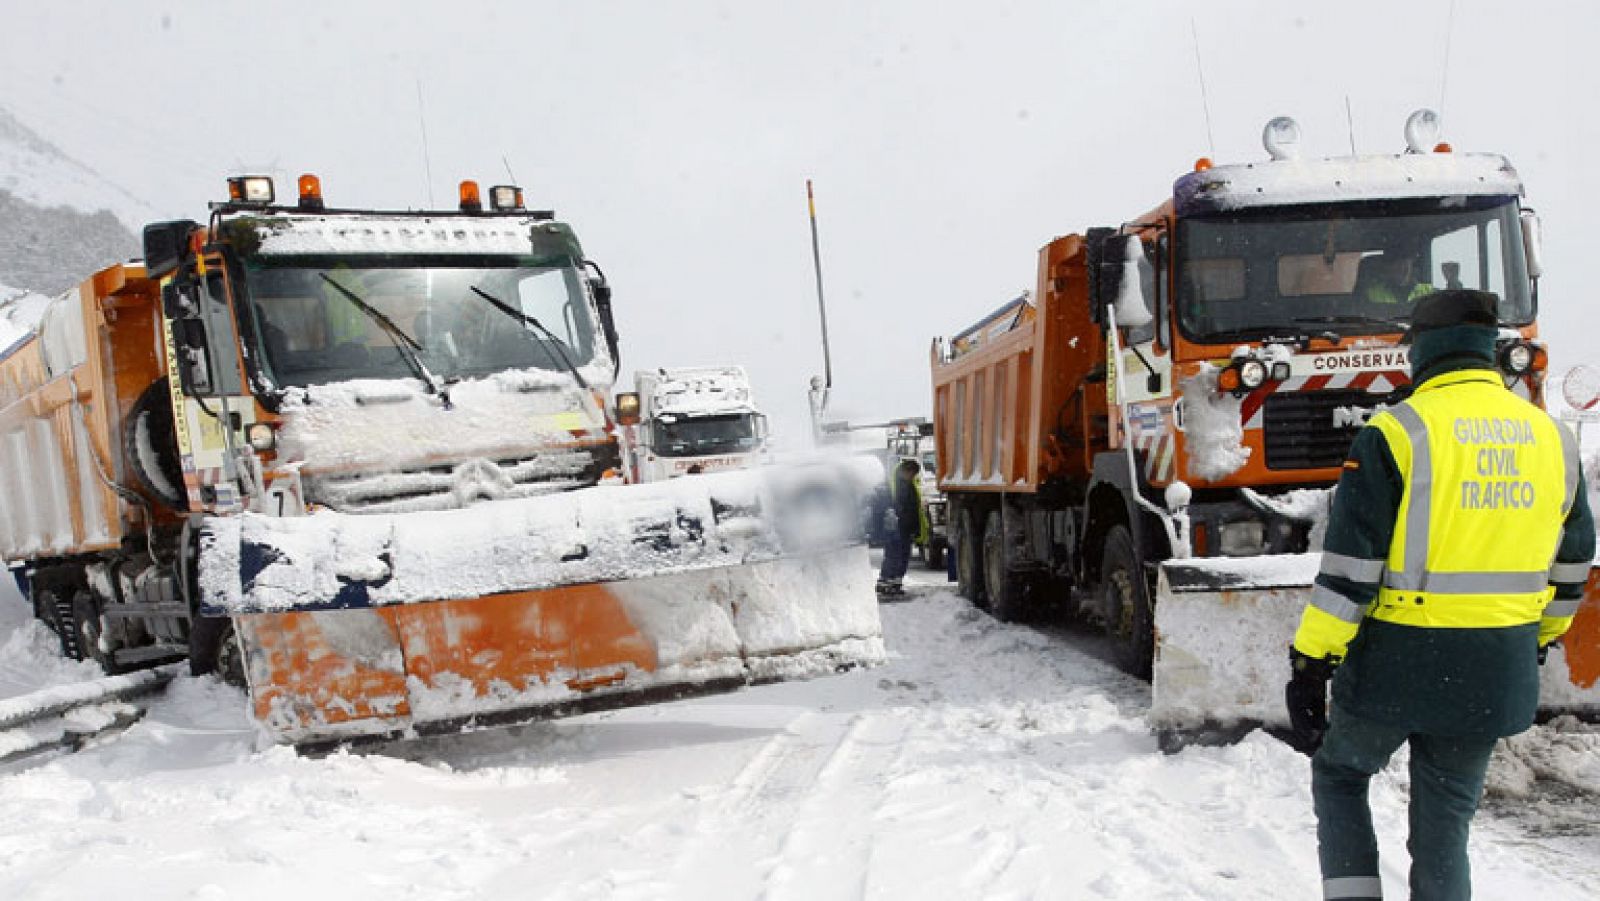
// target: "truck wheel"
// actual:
[[1005, 591], [969, 557], [86, 628], [214, 648], [1126, 604], [149, 448]]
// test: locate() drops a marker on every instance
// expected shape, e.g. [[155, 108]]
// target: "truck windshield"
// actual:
[[311, 333], [701, 435], [1353, 268]]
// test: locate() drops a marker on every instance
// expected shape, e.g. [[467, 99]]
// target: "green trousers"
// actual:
[[1447, 776]]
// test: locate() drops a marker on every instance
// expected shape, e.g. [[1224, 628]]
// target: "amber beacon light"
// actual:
[[471, 200], [310, 192]]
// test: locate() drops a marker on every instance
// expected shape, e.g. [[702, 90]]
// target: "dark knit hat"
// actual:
[[1460, 306]]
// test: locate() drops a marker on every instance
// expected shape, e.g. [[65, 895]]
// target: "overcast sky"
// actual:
[[947, 141]]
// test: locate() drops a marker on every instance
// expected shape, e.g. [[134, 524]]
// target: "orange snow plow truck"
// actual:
[[1152, 437], [363, 464]]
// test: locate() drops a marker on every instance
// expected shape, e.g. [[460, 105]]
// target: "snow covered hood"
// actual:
[[372, 425], [252, 563], [1284, 182]]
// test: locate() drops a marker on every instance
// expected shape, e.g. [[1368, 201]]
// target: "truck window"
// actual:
[[311, 334], [1352, 268]]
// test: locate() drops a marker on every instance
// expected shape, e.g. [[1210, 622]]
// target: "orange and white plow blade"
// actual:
[[331, 675], [1223, 630]]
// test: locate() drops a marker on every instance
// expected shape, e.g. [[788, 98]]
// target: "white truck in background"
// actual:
[[693, 420]]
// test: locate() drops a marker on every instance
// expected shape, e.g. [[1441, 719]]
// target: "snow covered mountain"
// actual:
[[59, 220]]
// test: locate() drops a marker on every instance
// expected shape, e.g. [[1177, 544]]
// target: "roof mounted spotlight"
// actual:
[[310, 193], [1422, 131], [505, 197], [252, 189], [1281, 137], [471, 200]]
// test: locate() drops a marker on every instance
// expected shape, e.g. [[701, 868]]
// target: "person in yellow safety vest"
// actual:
[[1388, 279], [905, 524], [1456, 553]]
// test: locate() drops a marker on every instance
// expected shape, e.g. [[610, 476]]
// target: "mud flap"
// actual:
[[1223, 630]]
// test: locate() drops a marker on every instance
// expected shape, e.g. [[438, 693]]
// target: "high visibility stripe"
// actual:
[[1468, 583], [1356, 569], [1569, 572], [1352, 888], [1569, 451], [1336, 605], [1562, 609], [1418, 518]]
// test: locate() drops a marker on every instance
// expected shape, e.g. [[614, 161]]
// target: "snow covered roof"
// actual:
[[1295, 181], [698, 391], [376, 233]]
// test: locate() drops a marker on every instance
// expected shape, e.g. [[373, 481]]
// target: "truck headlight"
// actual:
[[261, 436], [1241, 539], [1517, 358], [1252, 373]]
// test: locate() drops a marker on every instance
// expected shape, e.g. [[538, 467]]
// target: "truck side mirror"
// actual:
[[761, 427], [627, 408], [165, 245], [601, 289], [1135, 273], [1531, 243]]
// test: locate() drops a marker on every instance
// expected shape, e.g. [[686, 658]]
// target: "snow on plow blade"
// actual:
[[533, 608], [1223, 629]]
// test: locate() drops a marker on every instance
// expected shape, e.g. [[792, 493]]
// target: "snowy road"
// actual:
[[984, 761]]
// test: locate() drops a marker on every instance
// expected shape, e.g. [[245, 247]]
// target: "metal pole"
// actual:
[[818, 392], [822, 307]]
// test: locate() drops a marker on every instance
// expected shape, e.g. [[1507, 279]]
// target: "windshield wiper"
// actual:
[[1352, 319], [556, 343], [407, 345]]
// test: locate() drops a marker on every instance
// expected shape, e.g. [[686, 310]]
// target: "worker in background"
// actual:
[[1456, 553], [905, 523]]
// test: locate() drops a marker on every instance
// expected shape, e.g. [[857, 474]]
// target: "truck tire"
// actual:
[[933, 555], [969, 557], [214, 648], [86, 622], [148, 446], [1125, 604], [1004, 590]]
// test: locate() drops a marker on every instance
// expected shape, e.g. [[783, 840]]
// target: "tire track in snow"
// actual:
[[828, 849]]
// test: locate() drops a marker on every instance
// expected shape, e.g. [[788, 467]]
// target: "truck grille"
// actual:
[[451, 486], [1305, 430]]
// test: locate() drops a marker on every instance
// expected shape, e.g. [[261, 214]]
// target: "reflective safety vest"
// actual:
[[1489, 480]]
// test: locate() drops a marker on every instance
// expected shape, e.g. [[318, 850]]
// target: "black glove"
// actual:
[[1544, 651], [1307, 698]]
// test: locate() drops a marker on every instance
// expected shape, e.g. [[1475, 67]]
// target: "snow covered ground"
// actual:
[[983, 761]]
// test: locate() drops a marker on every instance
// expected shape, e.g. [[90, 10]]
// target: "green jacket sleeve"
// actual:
[[1360, 529]]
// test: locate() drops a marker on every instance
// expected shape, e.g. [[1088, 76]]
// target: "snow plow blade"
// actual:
[[1224, 626], [515, 610]]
